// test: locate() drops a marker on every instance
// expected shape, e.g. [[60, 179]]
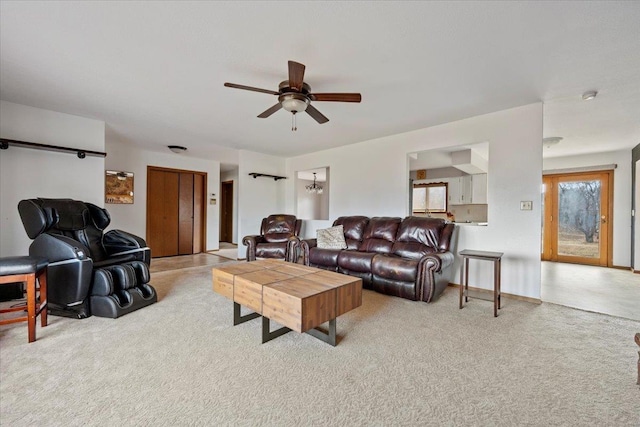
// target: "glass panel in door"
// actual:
[[579, 218]]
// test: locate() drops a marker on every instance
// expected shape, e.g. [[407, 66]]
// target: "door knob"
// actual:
[[604, 219]]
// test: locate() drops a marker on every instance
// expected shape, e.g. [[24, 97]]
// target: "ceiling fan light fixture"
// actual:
[[294, 102]]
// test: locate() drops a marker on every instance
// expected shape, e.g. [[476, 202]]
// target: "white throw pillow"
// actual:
[[331, 238]]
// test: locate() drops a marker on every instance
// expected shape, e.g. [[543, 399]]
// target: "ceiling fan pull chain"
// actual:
[[294, 126]]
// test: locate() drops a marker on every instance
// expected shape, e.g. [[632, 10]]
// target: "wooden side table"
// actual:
[[496, 258]]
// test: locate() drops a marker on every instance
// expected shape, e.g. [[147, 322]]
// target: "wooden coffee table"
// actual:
[[299, 297]]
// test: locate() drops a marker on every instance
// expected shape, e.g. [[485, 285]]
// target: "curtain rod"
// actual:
[[5, 143]]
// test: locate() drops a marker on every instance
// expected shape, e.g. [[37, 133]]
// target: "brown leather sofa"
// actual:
[[410, 258], [277, 238]]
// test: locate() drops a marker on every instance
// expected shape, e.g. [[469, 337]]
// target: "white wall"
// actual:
[[259, 197], [621, 195], [27, 173], [232, 176], [133, 218], [370, 178]]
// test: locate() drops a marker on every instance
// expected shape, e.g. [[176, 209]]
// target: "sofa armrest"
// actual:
[[438, 262], [305, 246], [434, 272], [250, 242], [293, 249]]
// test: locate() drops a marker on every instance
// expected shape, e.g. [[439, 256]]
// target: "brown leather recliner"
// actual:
[[410, 258], [278, 239]]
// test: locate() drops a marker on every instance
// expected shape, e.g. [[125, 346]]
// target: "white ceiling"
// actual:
[[154, 71]]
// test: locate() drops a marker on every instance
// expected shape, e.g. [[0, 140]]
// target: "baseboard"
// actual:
[[620, 267], [504, 294]]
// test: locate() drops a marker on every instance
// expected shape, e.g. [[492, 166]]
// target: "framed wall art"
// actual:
[[118, 187]]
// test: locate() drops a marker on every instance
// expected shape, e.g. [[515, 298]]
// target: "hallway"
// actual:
[[603, 290]]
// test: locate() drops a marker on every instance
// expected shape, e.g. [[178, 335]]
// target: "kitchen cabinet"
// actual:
[[468, 190], [478, 189], [454, 190], [464, 190]]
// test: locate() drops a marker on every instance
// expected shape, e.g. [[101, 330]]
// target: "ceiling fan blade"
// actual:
[[336, 97], [296, 75], [270, 111], [317, 115], [254, 89]]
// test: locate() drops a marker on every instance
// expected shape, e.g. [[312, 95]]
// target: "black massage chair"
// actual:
[[89, 272]]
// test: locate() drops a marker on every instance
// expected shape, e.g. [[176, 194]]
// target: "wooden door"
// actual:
[[176, 214], [226, 212], [198, 213], [162, 212], [185, 218], [576, 222]]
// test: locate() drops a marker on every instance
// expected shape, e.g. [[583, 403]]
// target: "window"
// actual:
[[430, 198]]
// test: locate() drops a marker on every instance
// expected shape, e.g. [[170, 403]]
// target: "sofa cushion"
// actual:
[[324, 257], [271, 250], [355, 261], [353, 229], [418, 236], [331, 238], [380, 234], [394, 268]]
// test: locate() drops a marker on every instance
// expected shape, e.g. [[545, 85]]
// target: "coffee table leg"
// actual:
[[239, 318], [329, 338], [268, 334]]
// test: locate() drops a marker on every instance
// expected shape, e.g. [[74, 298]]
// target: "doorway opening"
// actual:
[[312, 194], [577, 209], [226, 212]]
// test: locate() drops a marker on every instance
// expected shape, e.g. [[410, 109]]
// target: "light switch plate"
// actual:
[[526, 205]]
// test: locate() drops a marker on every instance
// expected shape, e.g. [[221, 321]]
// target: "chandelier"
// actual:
[[314, 188]]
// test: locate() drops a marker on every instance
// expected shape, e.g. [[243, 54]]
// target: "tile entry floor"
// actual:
[[603, 290]]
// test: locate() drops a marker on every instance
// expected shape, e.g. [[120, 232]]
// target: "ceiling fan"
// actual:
[[295, 96]]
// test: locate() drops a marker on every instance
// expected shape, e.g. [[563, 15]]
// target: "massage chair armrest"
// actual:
[[58, 248], [122, 245], [305, 246]]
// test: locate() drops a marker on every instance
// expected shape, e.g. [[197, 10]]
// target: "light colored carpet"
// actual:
[[398, 362]]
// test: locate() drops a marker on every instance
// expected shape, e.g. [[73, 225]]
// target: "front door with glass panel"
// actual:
[[576, 218]]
